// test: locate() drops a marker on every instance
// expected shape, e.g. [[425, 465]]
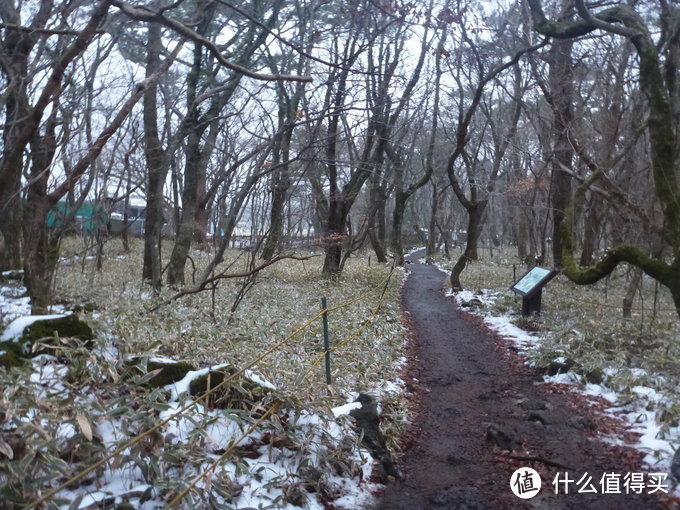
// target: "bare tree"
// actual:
[[475, 203]]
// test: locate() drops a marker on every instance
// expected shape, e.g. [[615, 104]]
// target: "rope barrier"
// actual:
[[212, 390], [277, 405], [356, 334]]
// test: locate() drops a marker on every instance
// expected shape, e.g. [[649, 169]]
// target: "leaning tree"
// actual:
[[657, 77]]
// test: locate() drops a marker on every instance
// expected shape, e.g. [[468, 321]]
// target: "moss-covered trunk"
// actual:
[[662, 129], [560, 78]]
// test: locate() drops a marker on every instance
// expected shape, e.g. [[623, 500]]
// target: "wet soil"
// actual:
[[475, 390]]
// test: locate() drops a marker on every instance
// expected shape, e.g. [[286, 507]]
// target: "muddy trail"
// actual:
[[474, 389]]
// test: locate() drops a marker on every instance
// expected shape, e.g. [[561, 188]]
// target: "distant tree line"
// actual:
[[551, 126]]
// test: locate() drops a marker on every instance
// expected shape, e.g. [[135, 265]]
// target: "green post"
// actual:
[[326, 344]]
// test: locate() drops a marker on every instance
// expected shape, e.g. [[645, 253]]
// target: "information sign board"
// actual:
[[530, 287], [533, 281]]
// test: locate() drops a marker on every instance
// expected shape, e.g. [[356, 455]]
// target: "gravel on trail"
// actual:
[[481, 406]]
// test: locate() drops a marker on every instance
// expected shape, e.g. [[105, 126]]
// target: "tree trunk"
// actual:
[[474, 230], [376, 218], [592, 230], [280, 186], [632, 288], [400, 199], [16, 109], [187, 224], [10, 221], [156, 169], [40, 249], [560, 79], [521, 226], [125, 234], [431, 240], [192, 168], [334, 238], [281, 180]]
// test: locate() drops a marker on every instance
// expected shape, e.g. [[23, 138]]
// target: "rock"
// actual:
[[23, 333], [368, 421], [557, 367], [533, 405], [538, 416], [170, 371], [582, 423], [9, 358], [472, 303], [239, 393], [501, 438], [14, 275], [457, 461], [594, 376], [460, 498], [84, 307]]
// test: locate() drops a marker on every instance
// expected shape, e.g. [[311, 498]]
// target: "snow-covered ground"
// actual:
[[267, 477], [656, 441], [14, 301]]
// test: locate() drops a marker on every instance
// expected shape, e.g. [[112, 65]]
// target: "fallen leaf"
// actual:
[[6, 450], [85, 426]]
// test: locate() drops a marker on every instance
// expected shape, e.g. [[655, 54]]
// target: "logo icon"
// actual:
[[525, 483]]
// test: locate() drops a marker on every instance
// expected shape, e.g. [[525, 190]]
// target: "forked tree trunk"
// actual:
[[474, 230]]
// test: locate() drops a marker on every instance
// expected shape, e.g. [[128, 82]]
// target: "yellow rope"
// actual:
[[182, 410], [354, 335], [231, 447]]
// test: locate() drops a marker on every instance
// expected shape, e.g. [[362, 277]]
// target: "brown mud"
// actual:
[[475, 389]]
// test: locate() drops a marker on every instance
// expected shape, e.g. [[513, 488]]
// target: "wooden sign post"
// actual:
[[530, 287]]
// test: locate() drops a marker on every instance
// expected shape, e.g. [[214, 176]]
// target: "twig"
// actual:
[[222, 276]]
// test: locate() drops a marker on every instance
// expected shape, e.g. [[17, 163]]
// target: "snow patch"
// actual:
[[345, 409], [17, 326], [655, 441]]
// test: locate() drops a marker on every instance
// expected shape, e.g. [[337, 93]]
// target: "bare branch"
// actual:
[[145, 14], [200, 286], [48, 31]]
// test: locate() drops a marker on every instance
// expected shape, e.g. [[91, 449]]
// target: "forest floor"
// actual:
[[441, 389], [483, 415], [64, 414]]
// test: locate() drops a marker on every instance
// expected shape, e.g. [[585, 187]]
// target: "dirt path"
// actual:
[[472, 382]]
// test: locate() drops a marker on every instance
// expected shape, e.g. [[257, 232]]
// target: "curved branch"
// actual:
[[604, 21], [633, 255], [145, 14], [200, 286], [570, 29]]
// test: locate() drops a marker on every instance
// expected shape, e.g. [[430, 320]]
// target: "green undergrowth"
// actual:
[[53, 411], [201, 329]]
